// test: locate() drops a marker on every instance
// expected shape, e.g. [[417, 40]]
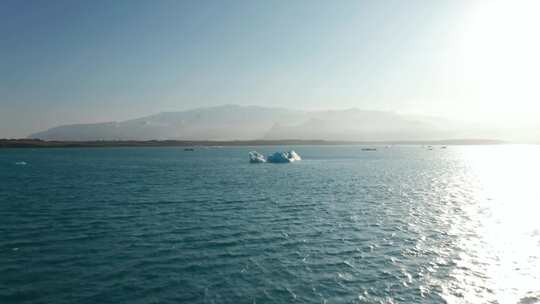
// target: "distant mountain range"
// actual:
[[233, 122]]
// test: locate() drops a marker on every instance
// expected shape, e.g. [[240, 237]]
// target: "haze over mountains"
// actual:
[[233, 122]]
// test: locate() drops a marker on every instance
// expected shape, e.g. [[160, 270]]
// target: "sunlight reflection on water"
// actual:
[[500, 241]]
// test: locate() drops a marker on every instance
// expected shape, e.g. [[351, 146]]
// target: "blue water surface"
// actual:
[[402, 224]]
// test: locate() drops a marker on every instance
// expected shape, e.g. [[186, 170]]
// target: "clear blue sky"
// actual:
[[91, 61]]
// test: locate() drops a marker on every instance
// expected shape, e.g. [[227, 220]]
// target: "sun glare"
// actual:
[[503, 228], [500, 47]]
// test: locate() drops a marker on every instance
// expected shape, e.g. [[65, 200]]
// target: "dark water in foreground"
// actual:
[[161, 225]]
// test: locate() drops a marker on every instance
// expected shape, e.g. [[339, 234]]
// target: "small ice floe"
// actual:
[[21, 163], [256, 158], [294, 156], [277, 157], [284, 157]]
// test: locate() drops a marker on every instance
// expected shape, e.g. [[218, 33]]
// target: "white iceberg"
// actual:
[[284, 157], [278, 157], [294, 156], [256, 158]]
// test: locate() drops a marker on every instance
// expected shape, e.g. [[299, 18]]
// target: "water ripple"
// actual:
[[155, 225]]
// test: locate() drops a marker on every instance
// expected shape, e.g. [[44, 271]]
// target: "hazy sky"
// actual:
[[90, 61]]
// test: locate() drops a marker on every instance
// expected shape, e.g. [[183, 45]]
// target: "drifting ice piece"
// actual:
[[294, 156], [256, 158], [284, 157]]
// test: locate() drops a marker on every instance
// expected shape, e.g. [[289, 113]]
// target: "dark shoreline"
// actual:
[[36, 143]]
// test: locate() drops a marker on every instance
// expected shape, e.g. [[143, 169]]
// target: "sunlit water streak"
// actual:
[[399, 225], [500, 238]]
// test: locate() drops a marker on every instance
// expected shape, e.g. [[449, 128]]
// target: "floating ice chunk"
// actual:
[[284, 157], [278, 157], [20, 163], [256, 158], [294, 156]]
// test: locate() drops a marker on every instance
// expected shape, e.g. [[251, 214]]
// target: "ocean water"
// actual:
[[161, 225]]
